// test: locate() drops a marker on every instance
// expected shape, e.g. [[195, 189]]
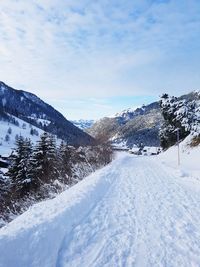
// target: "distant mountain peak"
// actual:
[[130, 126], [83, 124]]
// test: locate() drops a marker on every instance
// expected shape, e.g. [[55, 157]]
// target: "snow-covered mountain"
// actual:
[[83, 124], [130, 127], [130, 113], [32, 110]]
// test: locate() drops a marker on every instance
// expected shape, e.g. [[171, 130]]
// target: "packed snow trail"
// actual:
[[139, 213], [145, 219]]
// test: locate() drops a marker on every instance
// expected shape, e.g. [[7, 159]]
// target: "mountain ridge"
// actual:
[[83, 124], [137, 126], [30, 108], [131, 126]]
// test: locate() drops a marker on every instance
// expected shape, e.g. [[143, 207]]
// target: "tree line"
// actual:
[[40, 171]]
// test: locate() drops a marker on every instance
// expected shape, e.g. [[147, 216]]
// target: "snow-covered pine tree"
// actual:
[[7, 138], [195, 128], [19, 168], [9, 130], [44, 167], [169, 106], [64, 161], [181, 114]]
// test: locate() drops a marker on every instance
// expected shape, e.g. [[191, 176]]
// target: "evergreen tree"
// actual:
[[64, 162], [7, 138], [19, 168], [178, 114], [9, 130], [44, 162]]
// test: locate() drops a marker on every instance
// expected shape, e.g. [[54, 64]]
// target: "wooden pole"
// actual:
[[178, 138]]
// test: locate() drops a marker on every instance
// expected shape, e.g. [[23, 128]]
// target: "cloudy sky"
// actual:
[[93, 58]]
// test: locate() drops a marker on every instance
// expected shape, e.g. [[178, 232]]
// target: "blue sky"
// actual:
[[93, 58]]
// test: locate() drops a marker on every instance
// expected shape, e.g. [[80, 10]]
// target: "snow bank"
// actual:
[[189, 159], [39, 231]]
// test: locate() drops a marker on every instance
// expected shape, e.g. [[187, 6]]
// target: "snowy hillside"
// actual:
[[30, 108], [189, 159], [130, 127], [137, 211], [9, 131]]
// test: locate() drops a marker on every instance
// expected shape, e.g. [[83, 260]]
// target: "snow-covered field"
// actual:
[[137, 211]]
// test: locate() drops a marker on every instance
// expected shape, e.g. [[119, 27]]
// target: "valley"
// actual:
[[70, 198], [99, 133]]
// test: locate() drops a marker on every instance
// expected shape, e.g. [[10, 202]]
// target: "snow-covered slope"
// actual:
[[137, 211], [7, 137], [130, 127], [33, 110], [39, 232], [189, 159]]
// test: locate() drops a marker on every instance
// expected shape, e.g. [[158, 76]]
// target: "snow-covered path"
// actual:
[[145, 217]]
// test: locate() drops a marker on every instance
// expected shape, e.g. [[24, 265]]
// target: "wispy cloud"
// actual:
[[84, 48]]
